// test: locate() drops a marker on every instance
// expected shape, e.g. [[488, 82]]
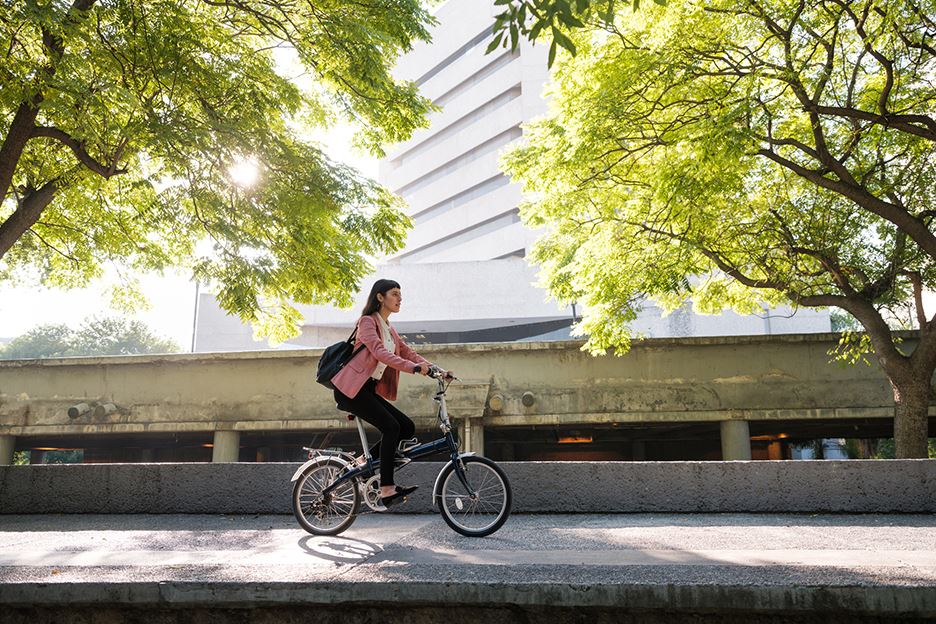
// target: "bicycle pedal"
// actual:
[[405, 445]]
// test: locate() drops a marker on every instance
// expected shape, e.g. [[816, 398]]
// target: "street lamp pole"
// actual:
[[195, 316]]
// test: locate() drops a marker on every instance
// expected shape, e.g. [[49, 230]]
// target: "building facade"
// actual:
[[464, 208], [463, 270]]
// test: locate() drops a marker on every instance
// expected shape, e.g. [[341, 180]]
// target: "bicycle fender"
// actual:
[[306, 465], [436, 495]]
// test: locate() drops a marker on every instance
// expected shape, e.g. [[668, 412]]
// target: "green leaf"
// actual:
[[514, 36], [495, 43], [537, 27], [552, 53], [564, 41]]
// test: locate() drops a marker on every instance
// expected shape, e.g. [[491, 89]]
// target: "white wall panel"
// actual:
[[462, 143]]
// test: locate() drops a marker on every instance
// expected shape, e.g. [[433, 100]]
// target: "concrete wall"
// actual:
[[716, 379], [878, 486], [662, 380]]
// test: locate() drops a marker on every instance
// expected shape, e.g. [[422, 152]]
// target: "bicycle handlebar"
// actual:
[[435, 372]]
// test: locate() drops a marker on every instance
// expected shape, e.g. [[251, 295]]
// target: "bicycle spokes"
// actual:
[[483, 506]]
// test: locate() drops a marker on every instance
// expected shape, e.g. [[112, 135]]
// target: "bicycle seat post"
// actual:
[[364, 444]]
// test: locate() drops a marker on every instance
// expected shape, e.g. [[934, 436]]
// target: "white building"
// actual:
[[463, 270], [463, 207]]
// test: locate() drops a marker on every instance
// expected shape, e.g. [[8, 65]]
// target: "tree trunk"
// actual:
[[911, 416], [15, 141], [26, 215]]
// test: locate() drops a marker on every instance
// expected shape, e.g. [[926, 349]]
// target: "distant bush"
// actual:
[[96, 336]]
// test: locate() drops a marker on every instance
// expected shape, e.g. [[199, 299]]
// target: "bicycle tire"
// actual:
[[484, 515], [325, 517]]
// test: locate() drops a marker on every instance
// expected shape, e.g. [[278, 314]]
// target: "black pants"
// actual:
[[393, 424]]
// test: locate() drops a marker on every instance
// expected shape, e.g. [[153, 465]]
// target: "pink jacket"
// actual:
[[357, 371]]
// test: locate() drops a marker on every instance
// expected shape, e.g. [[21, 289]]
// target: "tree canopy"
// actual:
[[125, 125], [96, 336], [740, 153]]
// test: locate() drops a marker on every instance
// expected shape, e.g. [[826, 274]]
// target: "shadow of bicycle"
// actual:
[[339, 549]]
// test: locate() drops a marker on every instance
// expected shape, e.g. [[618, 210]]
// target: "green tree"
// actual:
[[96, 336], [118, 336], [45, 341], [124, 125], [740, 153], [550, 19]]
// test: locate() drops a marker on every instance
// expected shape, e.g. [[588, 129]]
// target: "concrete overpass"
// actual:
[[734, 383]]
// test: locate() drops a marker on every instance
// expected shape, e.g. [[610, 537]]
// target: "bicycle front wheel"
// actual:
[[328, 514], [483, 509]]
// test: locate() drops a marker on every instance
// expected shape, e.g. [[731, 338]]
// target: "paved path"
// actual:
[[884, 564]]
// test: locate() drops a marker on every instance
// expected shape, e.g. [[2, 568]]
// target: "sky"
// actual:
[[172, 296]]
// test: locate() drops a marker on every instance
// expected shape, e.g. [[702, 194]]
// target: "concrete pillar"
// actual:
[[476, 435], [226, 446], [735, 440], [471, 434], [7, 445], [464, 432]]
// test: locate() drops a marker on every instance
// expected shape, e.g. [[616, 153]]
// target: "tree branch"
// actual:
[[917, 280], [73, 259], [861, 196], [66, 139], [905, 123]]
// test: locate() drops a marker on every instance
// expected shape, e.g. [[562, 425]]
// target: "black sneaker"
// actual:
[[398, 496]]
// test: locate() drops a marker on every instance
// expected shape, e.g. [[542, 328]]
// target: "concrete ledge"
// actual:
[[855, 486], [721, 599]]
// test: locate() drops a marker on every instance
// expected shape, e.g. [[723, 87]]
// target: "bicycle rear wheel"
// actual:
[[329, 514], [485, 508]]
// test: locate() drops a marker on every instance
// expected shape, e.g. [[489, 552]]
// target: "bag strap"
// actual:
[[350, 341]]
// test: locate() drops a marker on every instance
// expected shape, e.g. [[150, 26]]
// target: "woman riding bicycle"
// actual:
[[369, 381]]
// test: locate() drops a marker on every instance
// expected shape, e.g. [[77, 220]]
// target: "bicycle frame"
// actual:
[[446, 443]]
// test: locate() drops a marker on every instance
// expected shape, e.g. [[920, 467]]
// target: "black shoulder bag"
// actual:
[[334, 358]]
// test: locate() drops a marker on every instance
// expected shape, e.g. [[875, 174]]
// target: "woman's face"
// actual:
[[391, 299]]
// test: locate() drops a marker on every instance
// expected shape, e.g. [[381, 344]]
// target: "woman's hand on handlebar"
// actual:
[[440, 373], [433, 371]]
